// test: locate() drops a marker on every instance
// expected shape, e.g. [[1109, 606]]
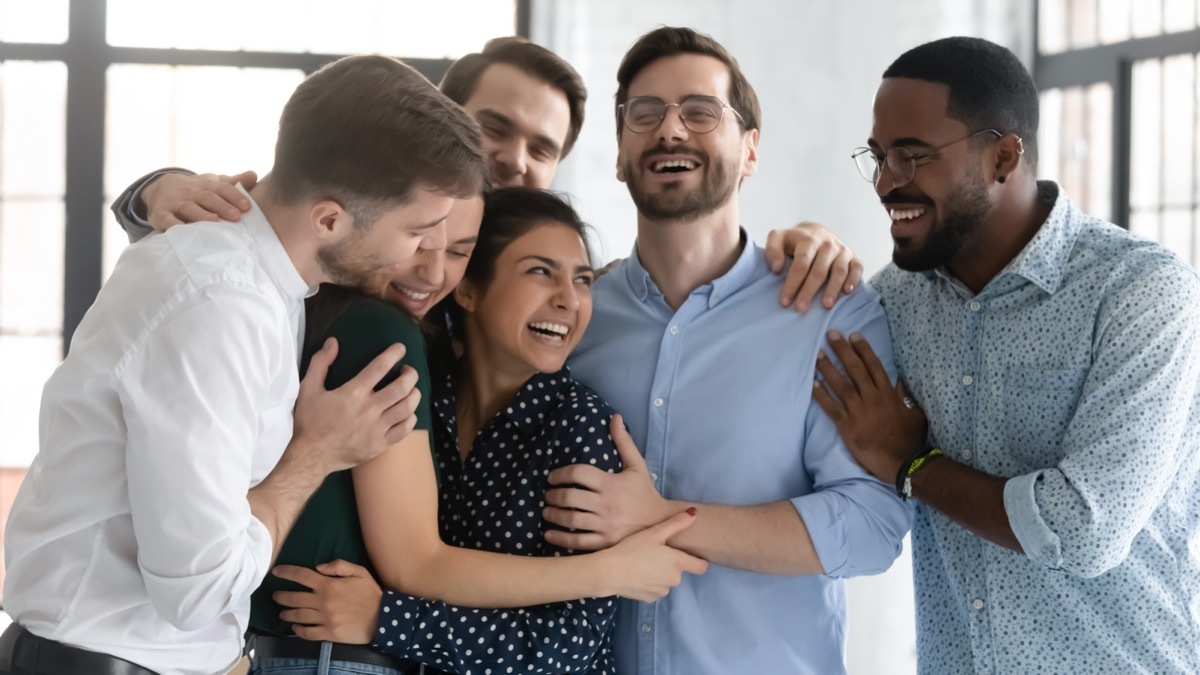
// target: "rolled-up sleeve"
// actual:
[[1128, 438], [857, 523], [192, 394]]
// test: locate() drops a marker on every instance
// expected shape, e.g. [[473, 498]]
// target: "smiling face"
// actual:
[[673, 173], [365, 254], [536, 306], [434, 272], [525, 123], [941, 212]]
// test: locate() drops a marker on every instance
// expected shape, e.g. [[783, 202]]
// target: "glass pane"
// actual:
[[1082, 23], [1075, 144], [1179, 15], [27, 362], [1177, 233], [411, 28], [1179, 142], [1052, 31], [1114, 20], [1148, 19], [31, 267], [170, 129], [1145, 224], [1146, 136], [1099, 133], [1050, 135], [40, 21], [32, 129]]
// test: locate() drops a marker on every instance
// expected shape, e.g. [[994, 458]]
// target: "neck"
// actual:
[[1018, 216], [484, 386], [681, 256], [290, 224]]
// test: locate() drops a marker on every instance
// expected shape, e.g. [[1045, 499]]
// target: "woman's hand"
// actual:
[[643, 567]]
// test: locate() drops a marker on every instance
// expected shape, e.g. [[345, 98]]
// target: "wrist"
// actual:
[[910, 467]]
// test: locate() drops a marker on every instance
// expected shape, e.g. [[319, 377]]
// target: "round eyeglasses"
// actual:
[[900, 161], [700, 114]]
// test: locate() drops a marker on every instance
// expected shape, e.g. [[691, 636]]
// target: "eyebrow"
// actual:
[[906, 142], [466, 240], [507, 121], [555, 265], [428, 226]]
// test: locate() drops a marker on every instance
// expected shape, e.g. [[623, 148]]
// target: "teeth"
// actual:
[[550, 327], [411, 293], [906, 214], [670, 164]]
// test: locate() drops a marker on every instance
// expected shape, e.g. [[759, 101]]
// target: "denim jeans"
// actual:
[[322, 666]]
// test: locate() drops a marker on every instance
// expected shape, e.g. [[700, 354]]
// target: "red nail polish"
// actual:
[[691, 510]]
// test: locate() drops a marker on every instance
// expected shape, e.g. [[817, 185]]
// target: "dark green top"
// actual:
[[328, 528]]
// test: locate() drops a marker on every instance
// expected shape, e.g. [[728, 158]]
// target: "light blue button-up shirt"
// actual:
[[718, 397], [1075, 374]]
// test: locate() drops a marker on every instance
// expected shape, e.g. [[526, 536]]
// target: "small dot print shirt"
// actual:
[[493, 501]]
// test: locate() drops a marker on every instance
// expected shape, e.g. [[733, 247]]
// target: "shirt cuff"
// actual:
[[822, 516], [1037, 540], [396, 622]]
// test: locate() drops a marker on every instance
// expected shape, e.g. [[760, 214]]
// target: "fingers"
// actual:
[[572, 519], [341, 568], [161, 220], [832, 407], [838, 272], [312, 633], [301, 575], [584, 475], [574, 498], [224, 201], [874, 366], [693, 565], [318, 365], [852, 364], [671, 526], [577, 541], [795, 278], [855, 276], [774, 253], [378, 368], [193, 212], [296, 599], [304, 615], [835, 383], [247, 179], [818, 273], [631, 458]]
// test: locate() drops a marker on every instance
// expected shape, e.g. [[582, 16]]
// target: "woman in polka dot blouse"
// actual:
[[505, 413]]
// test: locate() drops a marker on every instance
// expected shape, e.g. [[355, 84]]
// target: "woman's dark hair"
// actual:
[[508, 214]]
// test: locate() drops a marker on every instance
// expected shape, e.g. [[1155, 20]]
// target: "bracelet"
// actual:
[[910, 467]]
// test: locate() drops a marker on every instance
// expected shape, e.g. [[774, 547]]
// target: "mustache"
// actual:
[[663, 149], [897, 197]]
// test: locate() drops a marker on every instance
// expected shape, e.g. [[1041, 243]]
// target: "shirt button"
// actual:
[[653, 478], [646, 628], [968, 380], [966, 454], [975, 306], [658, 403], [674, 330], [977, 604]]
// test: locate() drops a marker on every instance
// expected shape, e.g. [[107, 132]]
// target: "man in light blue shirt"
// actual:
[[688, 340], [1058, 360]]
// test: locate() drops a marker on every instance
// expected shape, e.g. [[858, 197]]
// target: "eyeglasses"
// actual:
[[900, 161], [700, 114]]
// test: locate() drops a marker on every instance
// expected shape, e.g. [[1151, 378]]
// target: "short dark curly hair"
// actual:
[[989, 86]]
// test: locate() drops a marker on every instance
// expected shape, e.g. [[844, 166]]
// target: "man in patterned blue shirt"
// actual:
[[1057, 359]]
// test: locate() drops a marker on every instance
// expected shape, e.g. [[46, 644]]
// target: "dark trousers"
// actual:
[[23, 653]]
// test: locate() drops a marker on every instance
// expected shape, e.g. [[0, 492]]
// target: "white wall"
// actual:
[[815, 65]]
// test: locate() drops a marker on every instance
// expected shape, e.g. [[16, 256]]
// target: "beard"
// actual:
[[346, 263], [675, 202], [965, 210]]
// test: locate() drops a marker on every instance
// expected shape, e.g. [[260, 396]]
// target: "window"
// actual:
[[95, 93], [1121, 112]]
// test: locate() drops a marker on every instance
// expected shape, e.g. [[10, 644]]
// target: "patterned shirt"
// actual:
[[493, 502], [1075, 374]]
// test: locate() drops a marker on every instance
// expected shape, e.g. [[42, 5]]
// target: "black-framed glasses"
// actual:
[[700, 114], [900, 161]]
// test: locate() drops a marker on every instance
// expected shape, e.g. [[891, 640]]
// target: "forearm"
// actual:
[[130, 208], [278, 500], [971, 498], [556, 638], [766, 538], [469, 578]]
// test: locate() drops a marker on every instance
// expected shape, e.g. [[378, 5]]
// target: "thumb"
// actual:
[[672, 526], [631, 458], [341, 568], [318, 365], [248, 179]]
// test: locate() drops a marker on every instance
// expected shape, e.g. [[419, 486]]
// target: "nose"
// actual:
[[567, 295], [671, 128], [513, 157], [432, 269]]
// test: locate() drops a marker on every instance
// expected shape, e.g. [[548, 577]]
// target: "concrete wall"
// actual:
[[815, 65]]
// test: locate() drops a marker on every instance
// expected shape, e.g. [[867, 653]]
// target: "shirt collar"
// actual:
[[275, 258], [745, 270], [1044, 259], [540, 394]]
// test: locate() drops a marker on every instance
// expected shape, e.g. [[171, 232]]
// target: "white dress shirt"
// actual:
[[131, 534]]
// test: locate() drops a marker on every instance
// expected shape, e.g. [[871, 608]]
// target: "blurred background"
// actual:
[[95, 93]]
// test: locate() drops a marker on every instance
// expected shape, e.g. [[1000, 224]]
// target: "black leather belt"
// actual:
[[267, 647], [24, 653]]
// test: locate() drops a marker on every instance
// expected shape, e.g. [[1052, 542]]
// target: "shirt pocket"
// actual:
[[1038, 406]]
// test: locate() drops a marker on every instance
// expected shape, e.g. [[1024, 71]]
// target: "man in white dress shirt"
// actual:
[[170, 470]]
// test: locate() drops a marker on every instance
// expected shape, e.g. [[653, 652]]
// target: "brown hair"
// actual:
[[534, 60], [670, 41], [365, 131]]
